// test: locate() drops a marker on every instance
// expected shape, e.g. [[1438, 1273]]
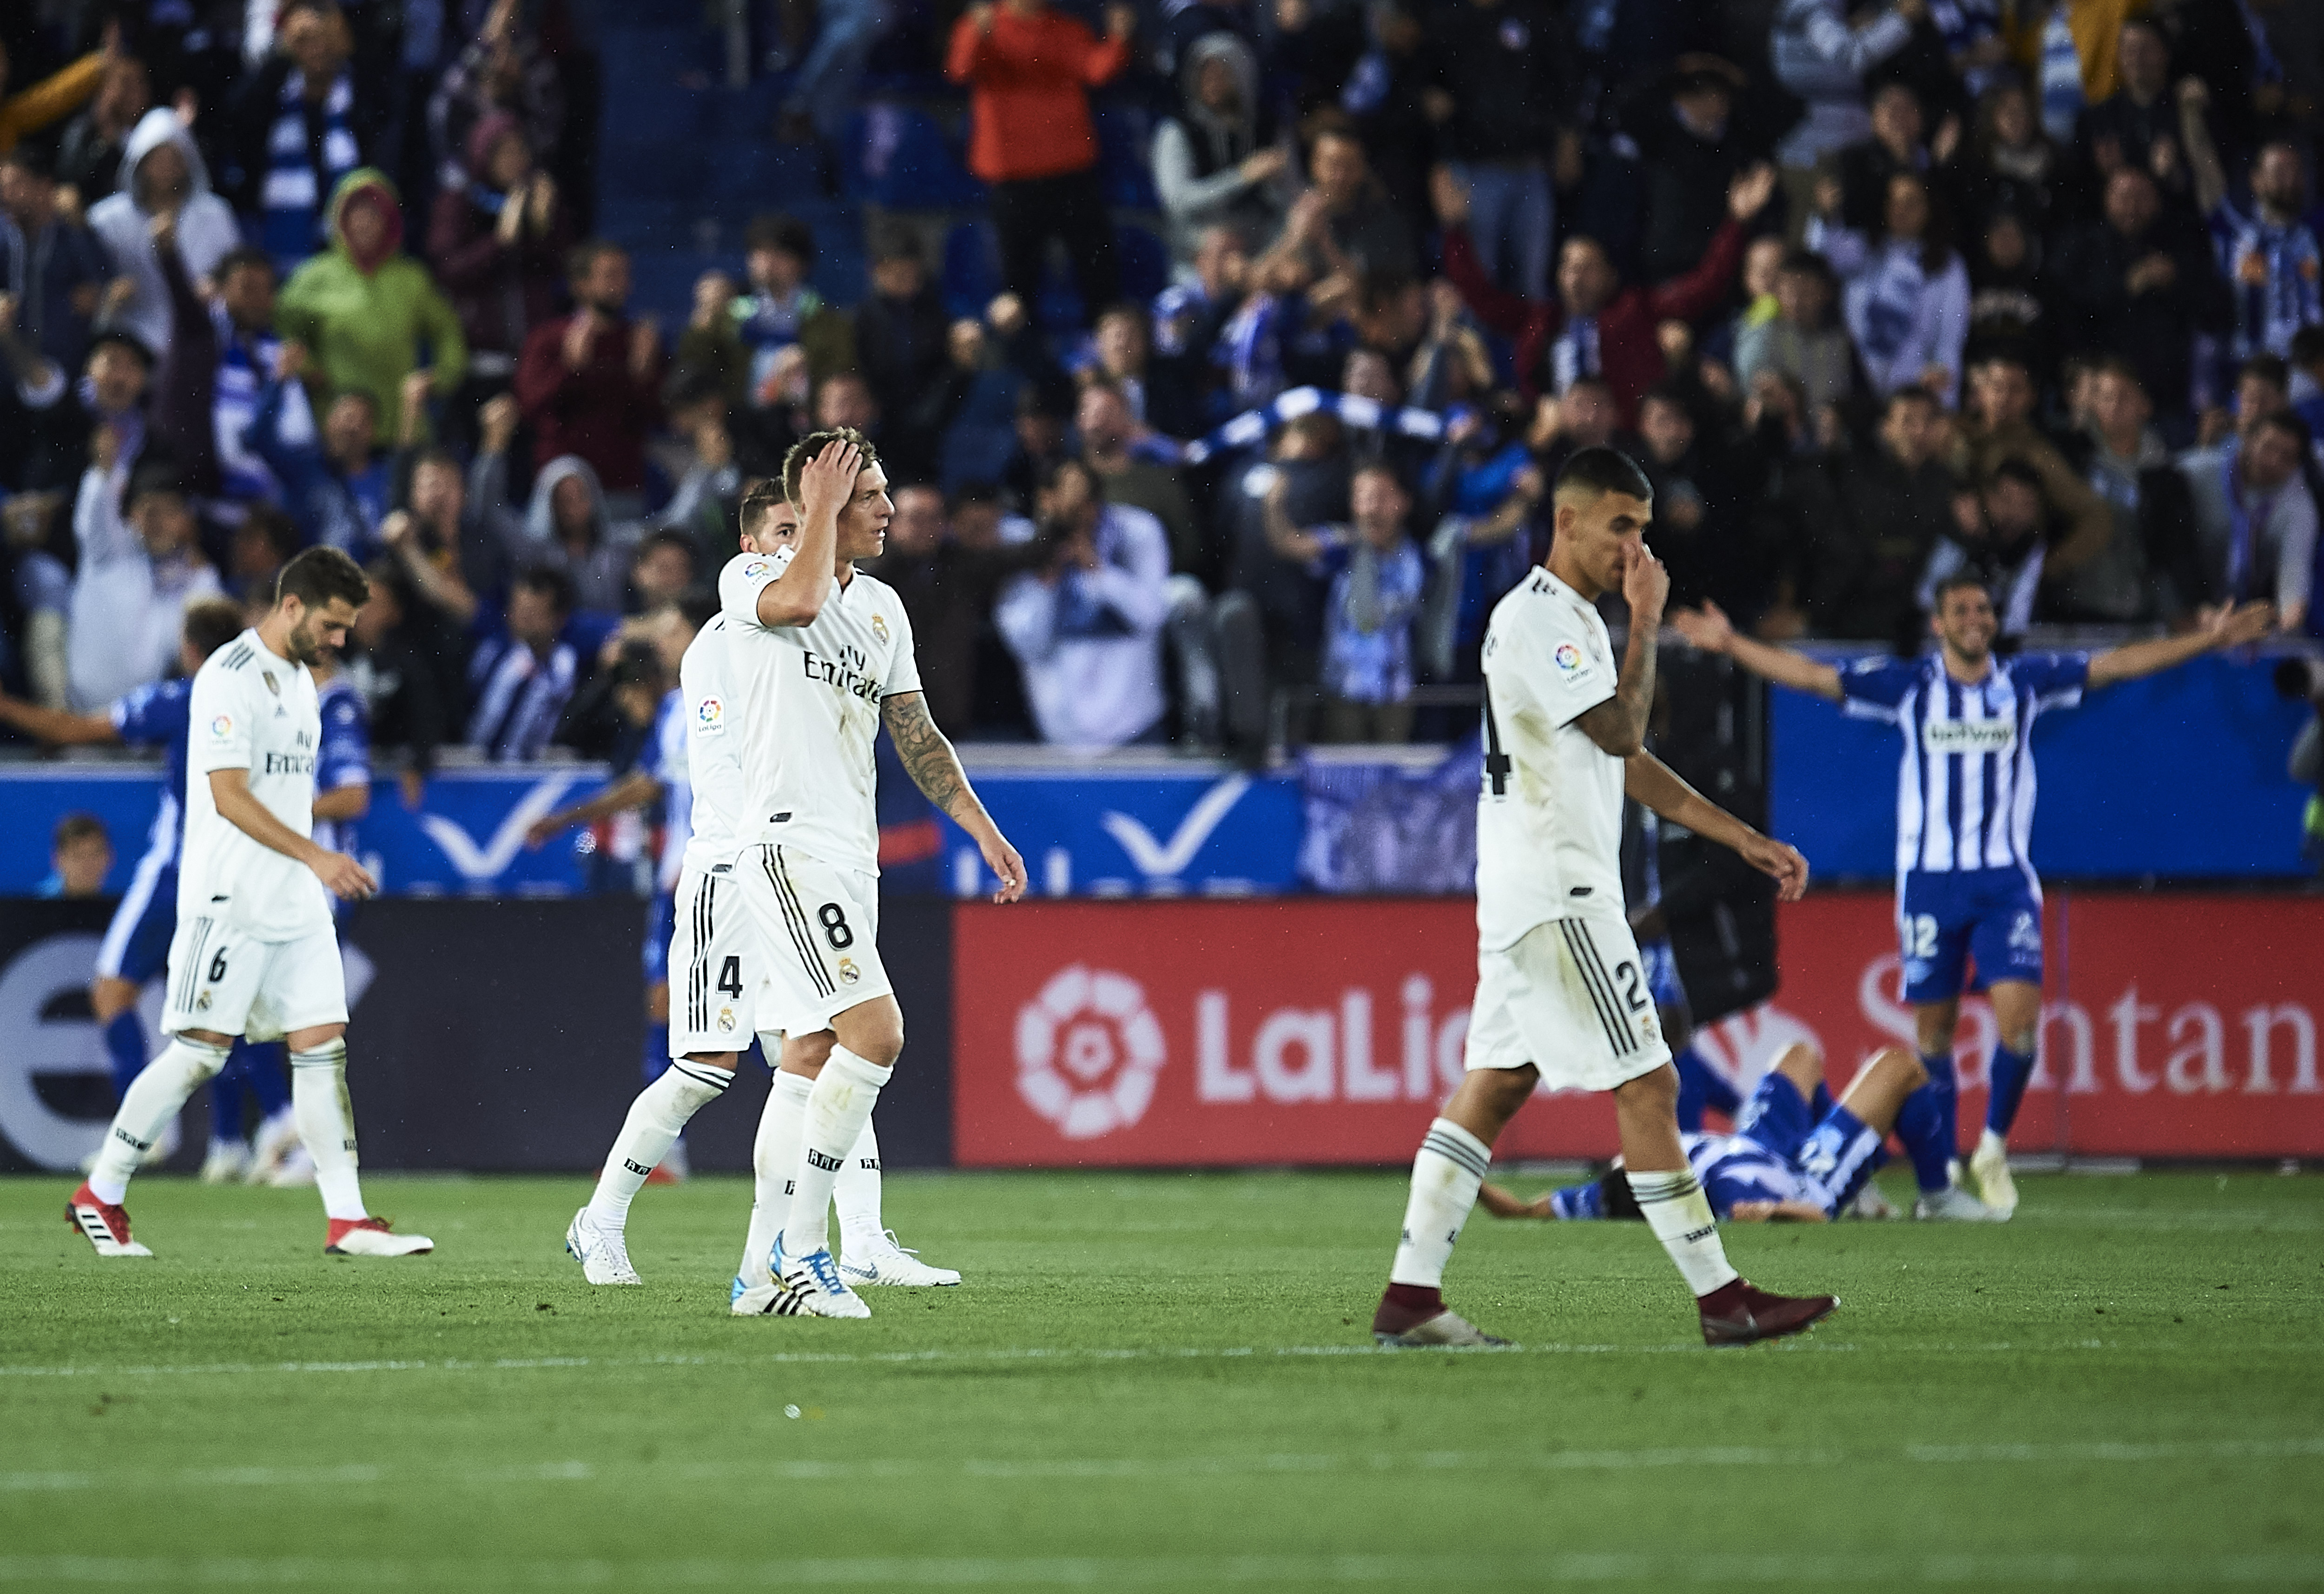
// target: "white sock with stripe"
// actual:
[[1679, 1213], [153, 1097], [656, 1118], [774, 1164], [856, 1194], [325, 1117], [1445, 1173], [837, 1108]]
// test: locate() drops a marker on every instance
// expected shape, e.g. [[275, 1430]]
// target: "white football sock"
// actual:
[[837, 1108], [855, 1191], [656, 1118], [327, 1123], [1445, 1173], [153, 1097], [1679, 1213], [774, 1160]]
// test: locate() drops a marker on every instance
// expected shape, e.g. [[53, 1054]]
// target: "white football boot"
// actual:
[[372, 1237], [276, 1140], [603, 1253], [1952, 1204], [294, 1170], [1989, 1167], [1870, 1203], [883, 1261], [816, 1280], [105, 1227], [763, 1299], [227, 1162]]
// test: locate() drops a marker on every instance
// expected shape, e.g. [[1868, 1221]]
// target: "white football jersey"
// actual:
[[713, 759], [252, 710], [1549, 813], [810, 700]]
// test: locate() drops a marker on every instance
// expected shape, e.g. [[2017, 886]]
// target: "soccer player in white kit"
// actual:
[[820, 657], [255, 953], [1563, 998], [719, 990]]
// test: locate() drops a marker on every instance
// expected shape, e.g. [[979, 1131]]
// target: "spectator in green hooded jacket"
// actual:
[[369, 314]]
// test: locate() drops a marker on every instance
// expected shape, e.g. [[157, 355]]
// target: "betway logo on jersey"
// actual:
[[1968, 736], [846, 672]]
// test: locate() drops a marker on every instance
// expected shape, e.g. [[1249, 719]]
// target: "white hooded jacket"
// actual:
[[205, 227]]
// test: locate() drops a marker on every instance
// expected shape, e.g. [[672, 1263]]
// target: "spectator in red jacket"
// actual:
[[1596, 326], [591, 384], [1030, 70]]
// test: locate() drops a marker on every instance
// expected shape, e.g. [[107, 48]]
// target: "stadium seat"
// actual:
[[901, 159]]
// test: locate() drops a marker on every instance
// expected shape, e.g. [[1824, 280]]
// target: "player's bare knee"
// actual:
[[805, 1055], [2021, 1041], [874, 1031], [1802, 1064], [321, 1034], [721, 1060], [1654, 1094]]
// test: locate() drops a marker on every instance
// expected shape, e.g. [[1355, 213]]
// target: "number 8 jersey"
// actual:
[[1549, 811]]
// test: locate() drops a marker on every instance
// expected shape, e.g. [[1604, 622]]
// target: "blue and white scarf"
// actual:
[[294, 224], [1253, 427], [519, 698]]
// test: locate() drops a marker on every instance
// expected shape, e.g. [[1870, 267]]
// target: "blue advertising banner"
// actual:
[[466, 838], [1163, 828], [2181, 774]]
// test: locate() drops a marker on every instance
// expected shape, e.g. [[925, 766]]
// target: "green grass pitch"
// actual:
[[1158, 1382]]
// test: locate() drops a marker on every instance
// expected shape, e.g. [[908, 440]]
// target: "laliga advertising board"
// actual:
[[1328, 1031]]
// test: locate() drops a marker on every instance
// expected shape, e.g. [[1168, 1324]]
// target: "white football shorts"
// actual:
[[820, 925], [1571, 997], [226, 982], [719, 994]]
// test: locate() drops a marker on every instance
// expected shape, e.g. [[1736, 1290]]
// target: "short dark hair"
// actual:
[[898, 240], [549, 582], [244, 256], [1380, 467], [351, 391], [795, 463], [1958, 581], [2268, 367], [319, 574], [1596, 472], [74, 827], [152, 476], [667, 537], [1667, 392], [758, 502], [775, 230], [437, 454], [1910, 394], [583, 256], [2018, 470], [210, 624], [2289, 424], [121, 337]]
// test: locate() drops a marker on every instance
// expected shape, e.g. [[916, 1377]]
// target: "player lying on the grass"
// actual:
[[255, 953], [1966, 890], [1782, 1163], [1561, 993], [722, 971], [819, 658]]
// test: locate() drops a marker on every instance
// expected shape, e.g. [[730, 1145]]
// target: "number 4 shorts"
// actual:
[[1571, 997]]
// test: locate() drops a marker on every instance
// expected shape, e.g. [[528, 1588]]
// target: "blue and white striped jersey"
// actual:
[[1733, 1168], [1965, 786]]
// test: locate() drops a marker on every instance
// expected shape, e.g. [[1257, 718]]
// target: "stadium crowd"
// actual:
[[2028, 288]]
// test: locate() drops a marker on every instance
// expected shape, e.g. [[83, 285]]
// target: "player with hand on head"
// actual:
[[1966, 890], [1562, 995], [1782, 1164], [819, 657], [254, 954]]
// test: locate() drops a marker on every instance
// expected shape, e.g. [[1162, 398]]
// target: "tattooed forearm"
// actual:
[[928, 757]]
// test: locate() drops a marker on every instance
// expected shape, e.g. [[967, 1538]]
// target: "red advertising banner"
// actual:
[[1212, 1034]]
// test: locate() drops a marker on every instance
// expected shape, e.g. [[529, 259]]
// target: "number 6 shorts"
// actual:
[[226, 982], [820, 926], [1570, 997]]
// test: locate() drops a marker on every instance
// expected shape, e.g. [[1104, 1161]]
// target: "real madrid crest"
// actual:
[[880, 627]]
